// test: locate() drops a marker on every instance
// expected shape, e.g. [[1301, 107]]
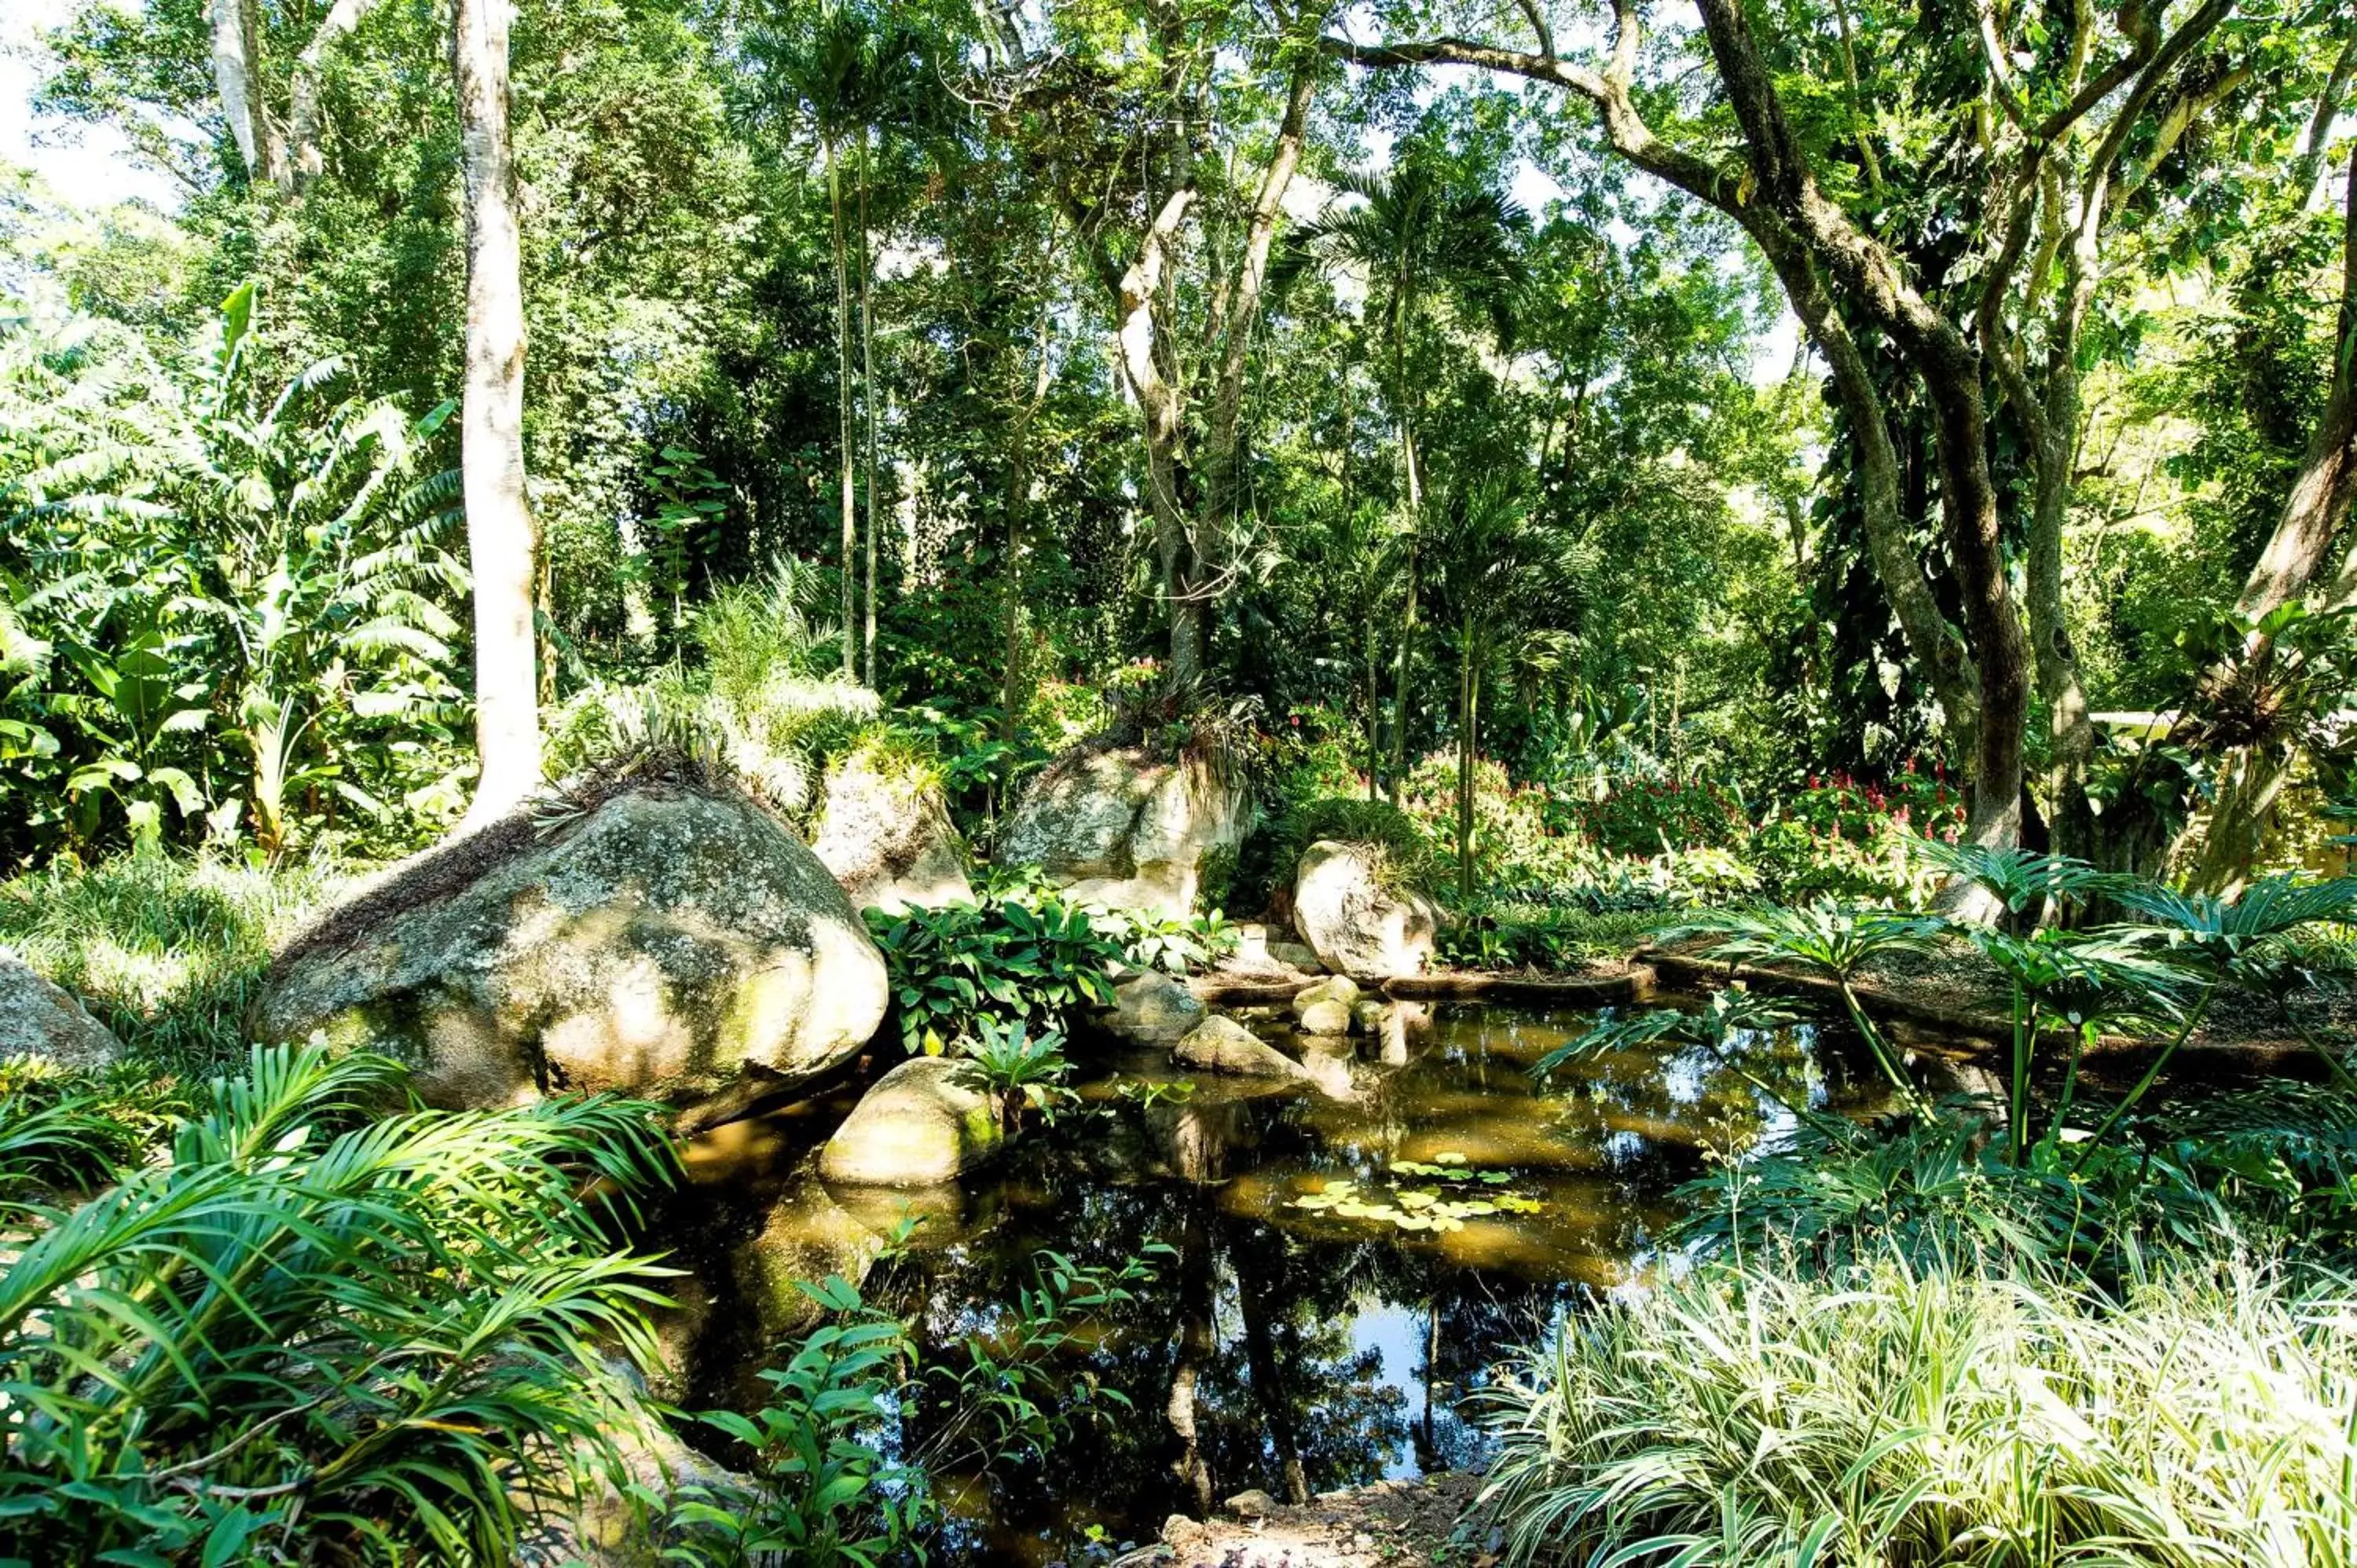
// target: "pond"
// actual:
[[1342, 1262]]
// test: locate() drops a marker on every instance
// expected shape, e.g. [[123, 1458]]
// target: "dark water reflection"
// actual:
[[1281, 1348]]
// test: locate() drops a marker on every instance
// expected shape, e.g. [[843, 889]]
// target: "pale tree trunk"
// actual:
[[1407, 619], [236, 55], [846, 443], [503, 539], [867, 390], [1469, 708], [305, 161], [1159, 412]]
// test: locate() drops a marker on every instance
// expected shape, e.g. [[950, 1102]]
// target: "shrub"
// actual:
[[1028, 958], [316, 1334], [1377, 825], [1963, 1415], [1643, 816]]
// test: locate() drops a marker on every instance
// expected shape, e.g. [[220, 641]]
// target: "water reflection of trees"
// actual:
[[1276, 1351], [1241, 1365]]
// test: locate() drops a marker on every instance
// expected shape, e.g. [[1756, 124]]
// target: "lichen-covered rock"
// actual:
[[926, 1121], [39, 1019], [888, 839], [1326, 1019], [1222, 1045], [1355, 924], [670, 940], [1116, 827], [1294, 955], [1149, 1008], [1340, 988]]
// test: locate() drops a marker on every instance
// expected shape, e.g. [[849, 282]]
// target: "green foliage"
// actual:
[[1951, 1415], [324, 1327], [1512, 933], [825, 1494], [1005, 957], [221, 615], [1405, 857], [1640, 817], [166, 950], [1019, 1071]]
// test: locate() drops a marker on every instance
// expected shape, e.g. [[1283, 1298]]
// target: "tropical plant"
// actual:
[[1005, 957], [1832, 941], [326, 1327], [1019, 1071], [204, 560], [1420, 236], [2079, 984], [1503, 582], [2224, 937]]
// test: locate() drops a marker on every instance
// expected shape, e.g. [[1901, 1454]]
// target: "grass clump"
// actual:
[[1978, 1415], [167, 952]]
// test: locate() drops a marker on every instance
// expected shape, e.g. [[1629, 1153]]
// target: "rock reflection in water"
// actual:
[[1278, 1347]]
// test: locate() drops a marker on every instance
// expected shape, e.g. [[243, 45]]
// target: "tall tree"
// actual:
[[1420, 238], [502, 538], [1848, 284], [236, 60], [1127, 139]]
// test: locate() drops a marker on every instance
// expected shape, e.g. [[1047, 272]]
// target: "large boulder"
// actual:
[[1116, 827], [1355, 922], [1222, 1045], [1149, 1008], [39, 1019], [670, 939], [925, 1122], [887, 838]]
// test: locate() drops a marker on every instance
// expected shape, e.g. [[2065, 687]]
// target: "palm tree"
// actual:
[[1499, 574], [823, 69], [1417, 234]]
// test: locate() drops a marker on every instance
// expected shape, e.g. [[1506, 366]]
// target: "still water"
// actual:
[[1335, 1267]]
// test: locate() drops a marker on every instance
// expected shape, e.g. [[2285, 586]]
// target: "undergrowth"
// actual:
[[165, 950]]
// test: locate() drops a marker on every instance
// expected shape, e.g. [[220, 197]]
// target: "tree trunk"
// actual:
[[867, 390], [1254, 1291], [1408, 621], [2218, 856], [846, 443], [1469, 696], [235, 55], [1196, 1347], [305, 161], [503, 539]]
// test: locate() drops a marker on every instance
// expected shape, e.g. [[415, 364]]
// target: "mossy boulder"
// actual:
[[925, 1122], [1149, 1008], [40, 1019], [1118, 827], [668, 940], [885, 834], [1224, 1045], [1349, 908]]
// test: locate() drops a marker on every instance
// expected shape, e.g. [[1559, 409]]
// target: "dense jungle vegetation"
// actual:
[[1847, 503]]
